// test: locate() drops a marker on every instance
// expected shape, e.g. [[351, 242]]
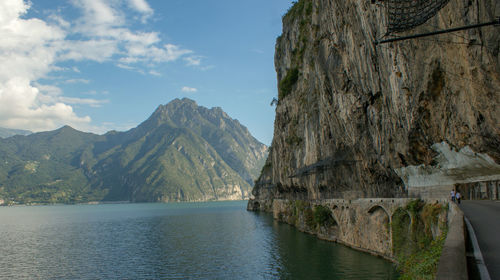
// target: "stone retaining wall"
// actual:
[[363, 224], [453, 262]]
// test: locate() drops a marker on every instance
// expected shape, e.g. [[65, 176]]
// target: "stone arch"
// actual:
[[378, 230], [335, 229], [376, 207], [330, 229]]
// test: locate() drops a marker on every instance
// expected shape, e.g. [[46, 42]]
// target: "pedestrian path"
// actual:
[[484, 215]]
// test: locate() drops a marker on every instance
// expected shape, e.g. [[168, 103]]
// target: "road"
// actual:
[[484, 215]]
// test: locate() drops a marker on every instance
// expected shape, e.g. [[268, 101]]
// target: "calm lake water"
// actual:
[[218, 240]]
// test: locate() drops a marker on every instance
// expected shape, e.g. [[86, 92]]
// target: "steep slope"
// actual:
[[168, 164], [352, 114], [232, 141], [166, 158], [41, 167]]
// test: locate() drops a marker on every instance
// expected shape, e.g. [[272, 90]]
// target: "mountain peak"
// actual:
[[182, 152], [181, 102], [66, 128]]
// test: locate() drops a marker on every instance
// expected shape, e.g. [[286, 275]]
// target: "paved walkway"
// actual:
[[484, 215]]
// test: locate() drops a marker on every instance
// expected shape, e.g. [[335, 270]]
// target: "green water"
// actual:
[[218, 240]]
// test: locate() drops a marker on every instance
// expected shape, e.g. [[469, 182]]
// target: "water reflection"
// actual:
[[169, 241]]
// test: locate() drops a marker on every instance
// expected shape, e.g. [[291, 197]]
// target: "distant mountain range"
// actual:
[[7, 132], [183, 152]]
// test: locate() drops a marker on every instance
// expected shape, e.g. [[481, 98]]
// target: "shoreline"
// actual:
[[112, 202]]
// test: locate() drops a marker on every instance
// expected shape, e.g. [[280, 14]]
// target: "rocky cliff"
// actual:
[[352, 114]]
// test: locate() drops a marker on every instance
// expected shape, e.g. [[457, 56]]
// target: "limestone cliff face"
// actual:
[[351, 113]]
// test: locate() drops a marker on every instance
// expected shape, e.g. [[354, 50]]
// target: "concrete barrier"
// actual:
[[453, 262]]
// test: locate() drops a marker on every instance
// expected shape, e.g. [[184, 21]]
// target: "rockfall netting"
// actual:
[[406, 14]]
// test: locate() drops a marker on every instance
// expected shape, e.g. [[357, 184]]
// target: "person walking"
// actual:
[[458, 197], [452, 195]]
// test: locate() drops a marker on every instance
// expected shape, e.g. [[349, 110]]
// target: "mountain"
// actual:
[[357, 119], [7, 132], [183, 152]]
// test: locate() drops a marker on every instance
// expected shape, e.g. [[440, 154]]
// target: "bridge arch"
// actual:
[[332, 226], [377, 207], [378, 225]]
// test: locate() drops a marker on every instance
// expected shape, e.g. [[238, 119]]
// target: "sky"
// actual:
[[101, 65]]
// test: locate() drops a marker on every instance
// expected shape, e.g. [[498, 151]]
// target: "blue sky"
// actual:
[[99, 65]]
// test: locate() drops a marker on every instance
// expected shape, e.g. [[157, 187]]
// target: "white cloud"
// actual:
[[28, 51], [142, 7], [95, 92], [77, 81], [60, 21], [189, 89], [31, 48], [83, 101], [99, 50], [126, 67], [108, 126], [20, 108], [99, 13], [169, 53], [155, 73], [48, 89], [193, 60], [10, 10], [105, 26]]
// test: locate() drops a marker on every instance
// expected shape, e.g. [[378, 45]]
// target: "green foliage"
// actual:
[[415, 206], [309, 217], [293, 140], [301, 11], [401, 232], [414, 245], [423, 263], [183, 152], [286, 84], [313, 217], [323, 215], [302, 209], [429, 215], [301, 205], [299, 8]]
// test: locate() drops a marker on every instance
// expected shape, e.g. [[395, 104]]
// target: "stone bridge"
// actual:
[[364, 224]]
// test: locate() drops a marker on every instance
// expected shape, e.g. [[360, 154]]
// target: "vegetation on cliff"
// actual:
[[286, 84], [308, 217], [417, 238], [301, 10], [354, 113]]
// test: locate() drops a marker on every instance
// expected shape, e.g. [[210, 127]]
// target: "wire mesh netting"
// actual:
[[406, 14]]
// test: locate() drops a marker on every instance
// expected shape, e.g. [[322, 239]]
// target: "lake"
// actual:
[[213, 240]]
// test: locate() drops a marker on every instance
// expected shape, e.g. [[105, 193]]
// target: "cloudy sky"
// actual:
[[99, 65]]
